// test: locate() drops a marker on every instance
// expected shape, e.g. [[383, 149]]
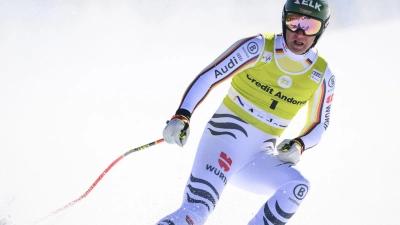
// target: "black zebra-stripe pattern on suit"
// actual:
[[227, 124]]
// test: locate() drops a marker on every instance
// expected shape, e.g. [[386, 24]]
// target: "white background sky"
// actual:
[[82, 82]]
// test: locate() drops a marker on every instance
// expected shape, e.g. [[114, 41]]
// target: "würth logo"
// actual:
[[329, 99], [224, 161]]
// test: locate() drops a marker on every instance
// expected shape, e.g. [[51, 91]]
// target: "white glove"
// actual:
[[177, 130], [290, 151]]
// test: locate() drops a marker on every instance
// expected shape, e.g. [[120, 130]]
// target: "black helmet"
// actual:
[[317, 10]]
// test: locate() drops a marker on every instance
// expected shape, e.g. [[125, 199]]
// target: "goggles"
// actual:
[[308, 25]]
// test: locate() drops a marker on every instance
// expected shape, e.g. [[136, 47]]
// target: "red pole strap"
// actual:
[[101, 177]]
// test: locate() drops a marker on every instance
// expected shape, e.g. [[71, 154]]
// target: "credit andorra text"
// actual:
[[233, 62], [279, 94]]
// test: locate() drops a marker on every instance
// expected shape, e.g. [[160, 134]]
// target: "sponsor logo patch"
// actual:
[[267, 57], [239, 56], [252, 47], [217, 173], [316, 76], [309, 3], [329, 99], [300, 191], [331, 82], [285, 82], [327, 116], [225, 68], [224, 161]]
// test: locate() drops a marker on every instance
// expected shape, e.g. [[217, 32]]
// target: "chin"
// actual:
[[298, 52]]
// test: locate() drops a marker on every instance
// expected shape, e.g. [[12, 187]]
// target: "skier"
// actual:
[[273, 76]]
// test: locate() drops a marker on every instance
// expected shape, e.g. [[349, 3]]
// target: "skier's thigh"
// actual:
[[265, 173]]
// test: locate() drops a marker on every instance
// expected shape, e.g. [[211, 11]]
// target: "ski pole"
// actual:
[[101, 177]]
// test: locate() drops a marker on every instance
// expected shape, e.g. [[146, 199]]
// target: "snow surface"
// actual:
[[82, 82]]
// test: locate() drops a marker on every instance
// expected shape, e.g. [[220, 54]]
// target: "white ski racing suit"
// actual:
[[269, 85]]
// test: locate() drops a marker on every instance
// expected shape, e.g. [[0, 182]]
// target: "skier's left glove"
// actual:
[[290, 151], [177, 130]]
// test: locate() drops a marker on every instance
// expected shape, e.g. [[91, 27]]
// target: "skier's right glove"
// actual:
[[177, 130]]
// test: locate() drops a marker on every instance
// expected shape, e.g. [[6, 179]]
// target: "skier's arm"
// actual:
[[234, 60], [318, 116]]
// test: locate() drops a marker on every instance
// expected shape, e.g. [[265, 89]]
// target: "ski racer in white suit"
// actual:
[[273, 76]]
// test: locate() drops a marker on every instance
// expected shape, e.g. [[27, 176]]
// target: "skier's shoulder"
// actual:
[[254, 37], [269, 35], [259, 38], [328, 74], [252, 43]]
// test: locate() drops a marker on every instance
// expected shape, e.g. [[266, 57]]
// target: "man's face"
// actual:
[[297, 42]]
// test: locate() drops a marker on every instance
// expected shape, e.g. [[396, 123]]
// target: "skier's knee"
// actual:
[[283, 204], [293, 193]]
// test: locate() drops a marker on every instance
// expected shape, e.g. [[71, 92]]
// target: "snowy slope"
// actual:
[[82, 82]]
